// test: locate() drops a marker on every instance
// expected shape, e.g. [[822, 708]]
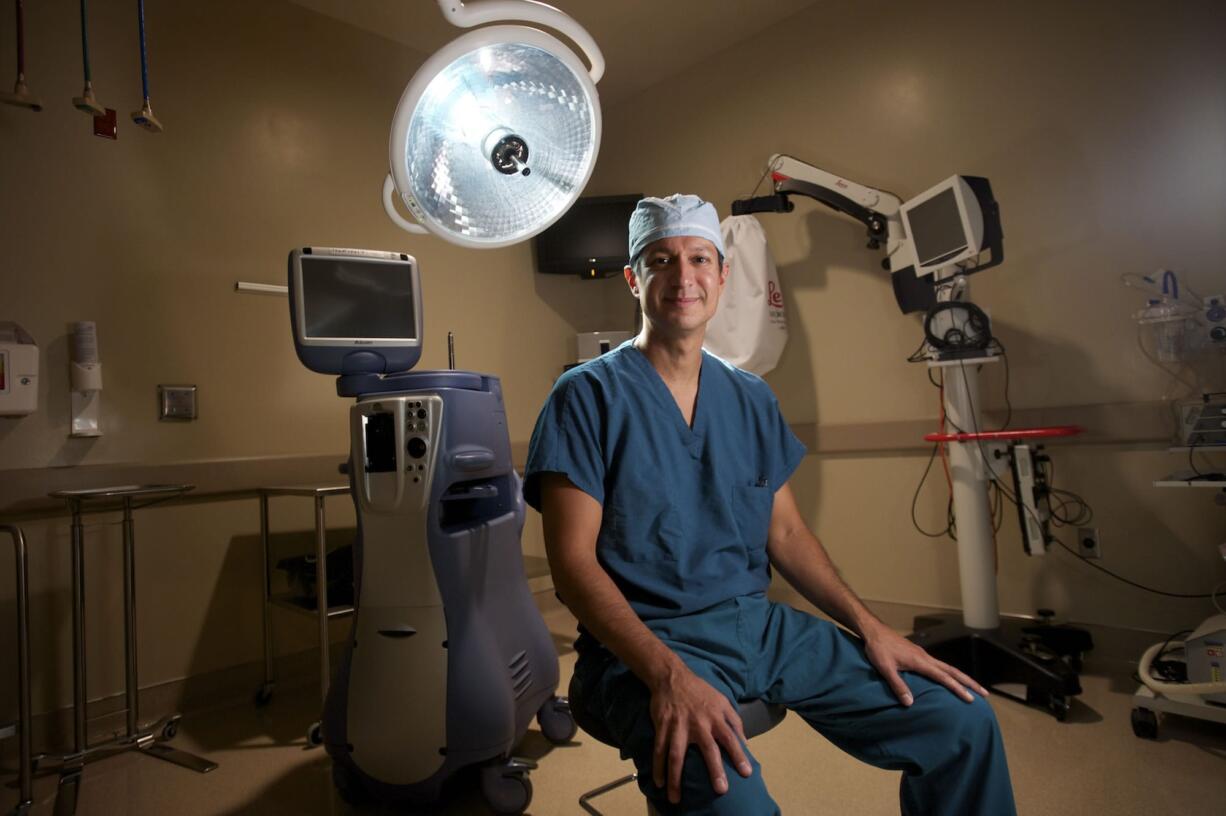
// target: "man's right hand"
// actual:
[[686, 710]]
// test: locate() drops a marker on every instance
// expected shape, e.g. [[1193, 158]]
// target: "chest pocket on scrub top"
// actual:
[[643, 525], [751, 506]]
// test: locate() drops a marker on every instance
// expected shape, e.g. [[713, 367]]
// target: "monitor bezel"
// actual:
[[345, 355], [579, 265], [970, 213]]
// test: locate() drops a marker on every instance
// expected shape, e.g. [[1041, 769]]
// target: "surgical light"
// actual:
[[497, 133]]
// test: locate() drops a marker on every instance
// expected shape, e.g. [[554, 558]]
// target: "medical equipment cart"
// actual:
[[1168, 698]]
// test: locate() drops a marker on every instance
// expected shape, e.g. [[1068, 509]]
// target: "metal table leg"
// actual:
[[24, 773], [74, 764], [265, 692], [323, 613], [321, 598], [129, 617], [150, 739]]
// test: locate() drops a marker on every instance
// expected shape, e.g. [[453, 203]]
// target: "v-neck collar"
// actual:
[[690, 433]]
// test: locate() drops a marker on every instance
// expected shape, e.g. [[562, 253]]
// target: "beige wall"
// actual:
[[1102, 128], [277, 123], [276, 136]]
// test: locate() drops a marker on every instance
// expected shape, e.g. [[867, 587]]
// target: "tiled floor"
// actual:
[[1090, 765]]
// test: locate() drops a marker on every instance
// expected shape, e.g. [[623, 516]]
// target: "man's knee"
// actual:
[[962, 728], [746, 796]]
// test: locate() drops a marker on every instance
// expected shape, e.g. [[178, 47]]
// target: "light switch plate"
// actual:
[[177, 402]]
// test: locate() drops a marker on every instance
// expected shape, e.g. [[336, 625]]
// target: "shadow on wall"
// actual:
[[832, 241], [291, 634], [585, 305]]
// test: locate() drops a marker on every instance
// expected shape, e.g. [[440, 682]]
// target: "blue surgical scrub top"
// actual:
[[686, 509]]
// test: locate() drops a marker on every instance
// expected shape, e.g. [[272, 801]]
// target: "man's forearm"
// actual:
[[803, 561], [593, 598]]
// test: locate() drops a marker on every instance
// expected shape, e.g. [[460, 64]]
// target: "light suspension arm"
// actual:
[[479, 12]]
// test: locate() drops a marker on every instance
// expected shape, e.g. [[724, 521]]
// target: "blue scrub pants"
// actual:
[[950, 751]]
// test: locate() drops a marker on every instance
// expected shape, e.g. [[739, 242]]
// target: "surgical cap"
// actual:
[[677, 215]]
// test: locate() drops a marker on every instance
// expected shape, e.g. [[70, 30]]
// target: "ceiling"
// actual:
[[643, 41]]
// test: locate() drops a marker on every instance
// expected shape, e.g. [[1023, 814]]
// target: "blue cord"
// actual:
[[1168, 277], [84, 42], [144, 58]]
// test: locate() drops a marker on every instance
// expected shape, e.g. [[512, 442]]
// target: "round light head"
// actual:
[[495, 136]]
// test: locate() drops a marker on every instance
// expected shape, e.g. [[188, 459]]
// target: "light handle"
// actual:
[[389, 189], [479, 12]]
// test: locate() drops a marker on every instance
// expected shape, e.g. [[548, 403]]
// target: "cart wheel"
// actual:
[[507, 794], [1058, 705], [170, 729], [315, 734], [262, 696], [556, 721], [349, 787], [1144, 723]]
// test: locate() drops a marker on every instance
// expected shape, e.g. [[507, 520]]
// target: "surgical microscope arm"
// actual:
[[882, 214], [877, 210]]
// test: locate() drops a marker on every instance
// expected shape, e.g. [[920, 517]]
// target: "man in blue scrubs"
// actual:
[[662, 475]]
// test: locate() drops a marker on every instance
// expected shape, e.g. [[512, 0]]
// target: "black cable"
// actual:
[[1166, 670], [1084, 514], [1191, 451], [915, 498], [1008, 405], [1085, 505], [979, 442], [998, 508], [975, 331], [1087, 562], [765, 172]]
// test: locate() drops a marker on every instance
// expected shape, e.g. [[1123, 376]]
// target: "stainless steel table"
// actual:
[[151, 738], [322, 610], [24, 770]]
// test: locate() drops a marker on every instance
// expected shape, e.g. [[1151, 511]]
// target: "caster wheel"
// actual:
[[349, 787], [315, 734], [263, 696], [556, 721], [1145, 723], [1058, 705], [507, 794], [170, 729]]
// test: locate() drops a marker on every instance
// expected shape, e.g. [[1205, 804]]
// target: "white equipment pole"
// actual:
[[976, 558], [976, 554]]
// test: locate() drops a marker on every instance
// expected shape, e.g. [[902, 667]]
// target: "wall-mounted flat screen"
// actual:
[[590, 240]]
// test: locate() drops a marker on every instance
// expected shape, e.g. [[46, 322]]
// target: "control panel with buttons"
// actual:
[[398, 440]]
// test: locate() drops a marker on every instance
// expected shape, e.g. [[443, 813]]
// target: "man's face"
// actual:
[[678, 284]]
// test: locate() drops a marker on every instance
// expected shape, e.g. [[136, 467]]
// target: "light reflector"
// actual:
[[495, 136]]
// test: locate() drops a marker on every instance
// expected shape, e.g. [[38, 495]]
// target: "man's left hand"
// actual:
[[891, 653]]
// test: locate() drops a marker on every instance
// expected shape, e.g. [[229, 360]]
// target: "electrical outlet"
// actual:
[[1087, 542], [177, 402]]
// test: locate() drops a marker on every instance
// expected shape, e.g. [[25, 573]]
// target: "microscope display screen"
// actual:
[[937, 229], [350, 299]]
